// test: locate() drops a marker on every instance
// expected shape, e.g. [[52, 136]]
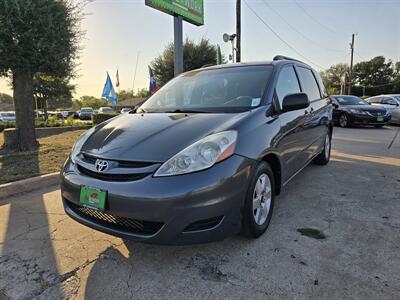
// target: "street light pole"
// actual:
[[178, 43]]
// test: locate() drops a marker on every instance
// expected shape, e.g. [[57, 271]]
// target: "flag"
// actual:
[[219, 56], [109, 92], [153, 85], [117, 83]]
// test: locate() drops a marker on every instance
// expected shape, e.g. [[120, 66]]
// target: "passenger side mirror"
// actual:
[[295, 102]]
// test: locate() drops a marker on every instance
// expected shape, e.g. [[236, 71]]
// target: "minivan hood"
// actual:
[[154, 137]]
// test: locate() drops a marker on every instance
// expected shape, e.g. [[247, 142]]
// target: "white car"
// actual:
[[106, 110], [390, 102], [7, 116]]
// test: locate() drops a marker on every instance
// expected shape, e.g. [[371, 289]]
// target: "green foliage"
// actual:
[[5, 125], [334, 77], [54, 91], [6, 99], [194, 56], [128, 94], [89, 101], [39, 36], [373, 72], [100, 118], [50, 122]]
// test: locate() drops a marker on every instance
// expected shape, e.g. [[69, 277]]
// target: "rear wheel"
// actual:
[[344, 120], [379, 126], [259, 201], [324, 157]]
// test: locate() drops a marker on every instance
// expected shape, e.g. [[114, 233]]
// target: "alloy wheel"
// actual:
[[262, 199]]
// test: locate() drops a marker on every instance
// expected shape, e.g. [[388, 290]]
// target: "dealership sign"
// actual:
[[191, 11]]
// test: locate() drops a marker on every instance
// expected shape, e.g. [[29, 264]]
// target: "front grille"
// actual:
[[115, 222], [121, 163], [377, 113], [111, 177], [204, 224]]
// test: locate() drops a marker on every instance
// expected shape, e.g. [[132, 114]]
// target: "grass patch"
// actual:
[[312, 233], [49, 158]]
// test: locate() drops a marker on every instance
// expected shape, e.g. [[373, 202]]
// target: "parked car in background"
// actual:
[[201, 168], [352, 111], [7, 116], [69, 113], [86, 113], [106, 110], [125, 110], [390, 102]]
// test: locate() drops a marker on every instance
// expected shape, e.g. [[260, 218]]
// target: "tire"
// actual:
[[379, 126], [325, 155], [255, 221], [344, 120]]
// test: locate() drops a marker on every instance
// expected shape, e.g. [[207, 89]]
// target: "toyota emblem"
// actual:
[[101, 165]]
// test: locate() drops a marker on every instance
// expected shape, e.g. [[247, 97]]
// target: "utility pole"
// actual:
[[238, 29], [351, 63]]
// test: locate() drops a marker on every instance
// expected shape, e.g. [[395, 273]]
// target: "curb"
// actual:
[[28, 185]]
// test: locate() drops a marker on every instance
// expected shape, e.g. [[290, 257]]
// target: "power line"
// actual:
[[279, 37], [316, 20], [298, 31]]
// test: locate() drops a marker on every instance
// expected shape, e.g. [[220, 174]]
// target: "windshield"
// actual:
[[219, 90], [86, 109], [106, 109], [350, 100]]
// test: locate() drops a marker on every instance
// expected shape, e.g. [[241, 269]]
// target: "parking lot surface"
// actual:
[[335, 234]]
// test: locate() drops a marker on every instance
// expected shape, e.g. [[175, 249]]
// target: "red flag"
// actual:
[[117, 83]]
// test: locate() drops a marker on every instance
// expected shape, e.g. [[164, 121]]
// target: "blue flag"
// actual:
[[109, 92]]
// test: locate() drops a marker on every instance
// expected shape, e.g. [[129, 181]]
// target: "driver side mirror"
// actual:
[[295, 101]]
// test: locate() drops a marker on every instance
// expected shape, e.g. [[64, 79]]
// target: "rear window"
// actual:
[[309, 84]]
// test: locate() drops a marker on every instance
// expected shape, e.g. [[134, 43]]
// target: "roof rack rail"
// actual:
[[282, 57]]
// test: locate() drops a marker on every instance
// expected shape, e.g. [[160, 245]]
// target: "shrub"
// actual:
[[100, 118], [5, 125]]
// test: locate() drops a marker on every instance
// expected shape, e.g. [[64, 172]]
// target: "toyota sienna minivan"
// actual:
[[204, 157]]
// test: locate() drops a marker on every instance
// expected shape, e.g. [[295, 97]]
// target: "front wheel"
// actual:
[[259, 201], [344, 120], [324, 157]]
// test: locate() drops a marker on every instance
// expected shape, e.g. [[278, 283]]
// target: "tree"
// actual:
[[54, 92], [194, 56], [128, 94], [6, 99], [89, 101], [334, 77], [374, 73], [36, 36]]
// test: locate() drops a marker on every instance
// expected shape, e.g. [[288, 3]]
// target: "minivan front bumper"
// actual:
[[193, 208]]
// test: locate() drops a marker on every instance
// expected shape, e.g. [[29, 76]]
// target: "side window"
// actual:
[[324, 92], [375, 100], [309, 84], [388, 101], [287, 83]]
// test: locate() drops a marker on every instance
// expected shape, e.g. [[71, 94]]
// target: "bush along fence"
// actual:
[[51, 122], [100, 118]]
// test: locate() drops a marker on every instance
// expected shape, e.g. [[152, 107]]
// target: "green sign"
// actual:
[[192, 11]]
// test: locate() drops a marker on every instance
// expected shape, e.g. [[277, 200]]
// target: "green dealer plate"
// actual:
[[93, 198], [379, 119]]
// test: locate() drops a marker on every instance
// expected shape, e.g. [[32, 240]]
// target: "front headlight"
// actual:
[[201, 155], [79, 143], [359, 112]]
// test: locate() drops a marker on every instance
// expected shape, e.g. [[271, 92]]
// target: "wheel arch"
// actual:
[[275, 164]]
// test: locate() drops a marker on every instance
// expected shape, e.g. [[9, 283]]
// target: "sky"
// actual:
[[125, 33]]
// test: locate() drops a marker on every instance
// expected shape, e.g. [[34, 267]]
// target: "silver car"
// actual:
[[391, 103]]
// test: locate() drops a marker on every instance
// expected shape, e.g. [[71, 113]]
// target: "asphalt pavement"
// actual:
[[335, 234]]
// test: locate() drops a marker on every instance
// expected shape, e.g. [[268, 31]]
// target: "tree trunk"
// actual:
[[24, 112]]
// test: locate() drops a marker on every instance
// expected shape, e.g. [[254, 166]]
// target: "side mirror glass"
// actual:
[[295, 101]]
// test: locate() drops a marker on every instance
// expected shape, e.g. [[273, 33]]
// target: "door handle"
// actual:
[[312, 109]]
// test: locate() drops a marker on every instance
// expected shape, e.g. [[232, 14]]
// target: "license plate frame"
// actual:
[[93, 198]]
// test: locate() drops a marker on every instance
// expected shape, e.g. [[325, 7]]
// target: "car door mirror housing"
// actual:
[[295, 101]]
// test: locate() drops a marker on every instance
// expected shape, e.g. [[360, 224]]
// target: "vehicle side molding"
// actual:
[[295, 101]]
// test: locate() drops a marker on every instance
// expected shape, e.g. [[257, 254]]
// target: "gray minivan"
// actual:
[[204, 157]]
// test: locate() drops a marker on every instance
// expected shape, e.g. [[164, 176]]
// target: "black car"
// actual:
[[203, 157], [352, 111]]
